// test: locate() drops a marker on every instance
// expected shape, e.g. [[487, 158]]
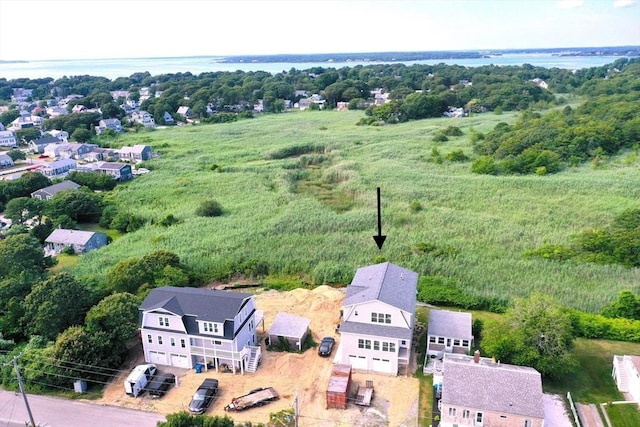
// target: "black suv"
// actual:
[[159, 385], [326, 346]]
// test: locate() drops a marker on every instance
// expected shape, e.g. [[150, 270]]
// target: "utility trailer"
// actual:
[[256, 397]]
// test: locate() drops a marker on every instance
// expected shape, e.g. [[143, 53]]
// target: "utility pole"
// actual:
[[295, 410], [24, 395]]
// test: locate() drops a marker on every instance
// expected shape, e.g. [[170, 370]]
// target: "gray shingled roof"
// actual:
[[289, 325], [376, 330], [56, 188], [69, 237], [505, 389], [384, 282], [204, 304], [453, 324]]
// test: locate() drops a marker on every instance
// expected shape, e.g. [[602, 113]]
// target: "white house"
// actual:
[[59, 168], [378, 317], [137, 153], [8, 139], [448, 332], [144, 118], [626, 374], [113, 124], [81, 241], [184, 326], [5, 161]]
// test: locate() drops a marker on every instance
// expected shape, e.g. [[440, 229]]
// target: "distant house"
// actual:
[[119, 171], [57, 111], [52, 150], [38, 145], [113, 124], [144, 118], [76, 151], [62, 135], [8, 139], [136, 153], [168, 119], [2, 127], [449, 332], [626, 374], [81, 241], [5, 161], [59, 168], [378, 317], [98, 154], [185, 112], [184, 326], [78, 108], [476, 391], [117, 94], [290, 328], [49, 192]]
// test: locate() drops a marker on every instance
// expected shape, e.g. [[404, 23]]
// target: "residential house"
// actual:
[[117, 94], [21, 95], [448, 332], [184, 326], [47, 193], [168, 119], [144, 118], [626, 374], [59, 168], [8, 139], [52, 150], [119, 171], [57, 111], [475, 391], [80, 241], [98, 154], [316, 99], [378, 316], [136, 153], [5, 161], [39, 145], [185, 112], [113, 124], [74, 150], [2, 127], [78, 108], [21, 123], [62, 135]]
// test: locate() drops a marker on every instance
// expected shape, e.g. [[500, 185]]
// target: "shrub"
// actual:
[[484, 165], [457, 156], [209, 208]]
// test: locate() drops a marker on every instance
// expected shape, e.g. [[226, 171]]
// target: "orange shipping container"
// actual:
[[338, 388]]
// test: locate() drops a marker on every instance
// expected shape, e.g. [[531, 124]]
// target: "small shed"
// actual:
[[290, 327], [338, 388]]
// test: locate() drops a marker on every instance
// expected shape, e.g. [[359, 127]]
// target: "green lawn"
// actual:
[[626, 415]]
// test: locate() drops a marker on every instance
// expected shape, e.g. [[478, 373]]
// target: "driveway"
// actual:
[[555, 411]]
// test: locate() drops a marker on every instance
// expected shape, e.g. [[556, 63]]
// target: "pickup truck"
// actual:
[[159, 385], [256, 397]]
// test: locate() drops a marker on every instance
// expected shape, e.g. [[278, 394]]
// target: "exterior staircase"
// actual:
[[255, 353]]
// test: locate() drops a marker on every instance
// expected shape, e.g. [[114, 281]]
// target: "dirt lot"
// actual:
[[395, 401]]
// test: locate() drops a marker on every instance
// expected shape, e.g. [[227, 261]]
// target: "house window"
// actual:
[[150, 339], [215, 328], [385, 346], [208, 327], [452, 412], [404, 342], [392, 347], [465, 343], [376, 345], [504, 417], [216, 342], [182, 343], [173, 341], [367, 344], [527, 423], [374, 317], [456, 342], [387, 318], [479, 418], [465, 413], [432, 339], [159, 339], [440, 340], [360, 343], [164, 321]]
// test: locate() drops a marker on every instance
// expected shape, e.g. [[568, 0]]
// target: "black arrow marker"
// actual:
[[379, 238]]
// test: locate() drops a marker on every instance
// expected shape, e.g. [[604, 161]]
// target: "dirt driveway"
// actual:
[[395, 401]]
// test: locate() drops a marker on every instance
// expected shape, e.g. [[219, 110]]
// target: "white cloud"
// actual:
[[624, 3], [569, 4]]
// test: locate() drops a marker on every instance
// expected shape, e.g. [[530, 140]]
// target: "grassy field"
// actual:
[[623, 415], [299, 198]]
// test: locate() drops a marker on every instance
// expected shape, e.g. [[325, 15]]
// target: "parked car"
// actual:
[[159, 385], [326, 346], [203, 396]]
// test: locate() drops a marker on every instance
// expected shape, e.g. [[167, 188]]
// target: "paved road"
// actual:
[[55, 412]]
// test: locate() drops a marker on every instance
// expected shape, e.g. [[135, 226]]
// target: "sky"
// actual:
[[83, 29]]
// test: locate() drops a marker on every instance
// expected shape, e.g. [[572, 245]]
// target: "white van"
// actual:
[[138, 378]]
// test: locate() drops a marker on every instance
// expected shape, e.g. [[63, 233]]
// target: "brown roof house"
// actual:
[[81, 241], [479, 392]]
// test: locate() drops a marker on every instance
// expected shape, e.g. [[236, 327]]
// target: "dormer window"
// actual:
[[164, 321], [211, 327]]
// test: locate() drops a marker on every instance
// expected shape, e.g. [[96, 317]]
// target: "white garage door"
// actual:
[[157, 357], [381, 365], [179, 360], [358, 362]]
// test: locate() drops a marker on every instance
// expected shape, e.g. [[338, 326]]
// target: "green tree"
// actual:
[[55, 304], [82, 135], [94, 180], [536, 332], [209, 208], [128, 275], [21, 209], [21, 253], [16, 155], [117, 316], [627, 306], [81, 205], [25, 135], [184, 419]]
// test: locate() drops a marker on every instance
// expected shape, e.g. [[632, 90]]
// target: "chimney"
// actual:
[[476, 356]]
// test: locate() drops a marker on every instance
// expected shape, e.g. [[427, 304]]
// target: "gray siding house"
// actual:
[[184, 326], [47, 193], [448, 332], [81, 241], [378, 317]]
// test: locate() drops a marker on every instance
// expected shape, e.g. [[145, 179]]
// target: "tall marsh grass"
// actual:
[[290, 209]]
